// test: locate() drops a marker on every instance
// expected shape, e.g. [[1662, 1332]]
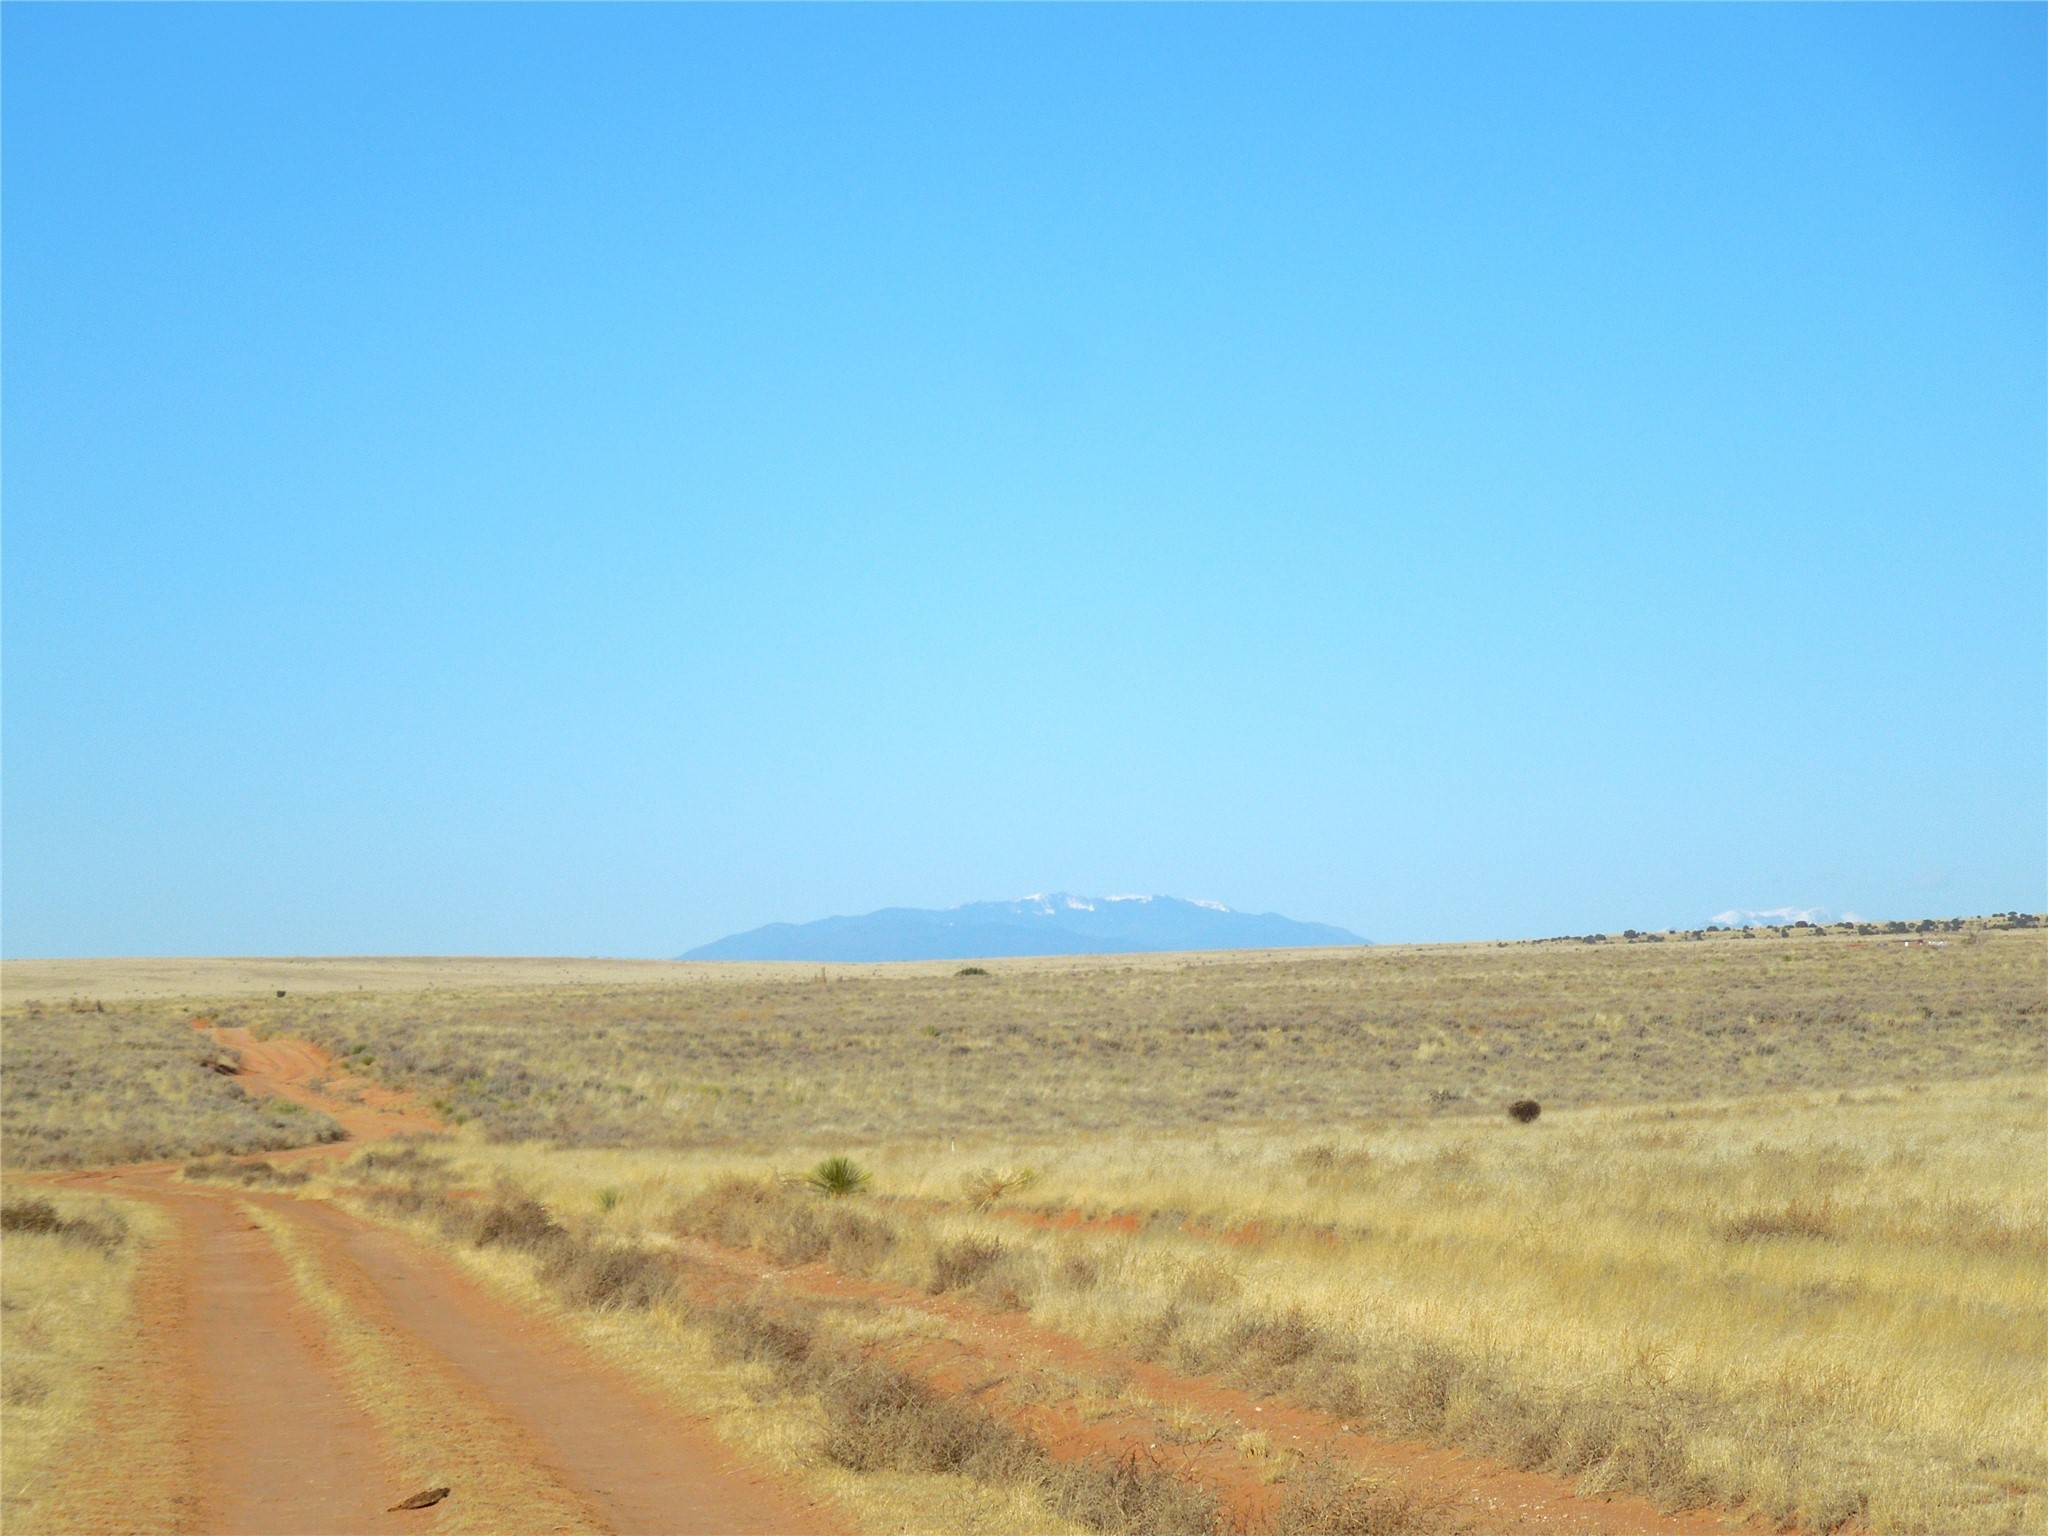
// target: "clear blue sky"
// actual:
[[585, 480]]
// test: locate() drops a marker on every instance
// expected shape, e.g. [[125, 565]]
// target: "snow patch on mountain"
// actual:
[[1046, 923]]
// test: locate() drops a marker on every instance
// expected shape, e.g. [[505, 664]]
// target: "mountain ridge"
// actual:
[[1054, 923]]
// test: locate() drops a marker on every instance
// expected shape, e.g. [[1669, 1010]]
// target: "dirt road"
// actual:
[[296, 1371]]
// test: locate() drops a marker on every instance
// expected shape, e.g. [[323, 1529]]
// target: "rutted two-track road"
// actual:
[[238, 1405], [296, 1369]]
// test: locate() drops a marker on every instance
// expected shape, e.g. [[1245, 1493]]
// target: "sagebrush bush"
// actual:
[[958, 1265]]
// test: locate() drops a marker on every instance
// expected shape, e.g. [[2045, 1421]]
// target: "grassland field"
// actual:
[[1777, 1245]]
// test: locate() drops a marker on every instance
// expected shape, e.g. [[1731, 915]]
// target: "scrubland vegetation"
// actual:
[[66, 1267], [1776, 1243], [1149, 1043], [1822, 1308], [85, 1085]]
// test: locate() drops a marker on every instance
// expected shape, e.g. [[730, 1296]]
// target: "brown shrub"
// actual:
[[879, 1418], [227, 1170], [517, 1221], [1328, 1500], [959, 1265], [1266, 1347], [1524, 1110], [747, 1330], [1131, 1495], [42, 1216], [607, 1277]]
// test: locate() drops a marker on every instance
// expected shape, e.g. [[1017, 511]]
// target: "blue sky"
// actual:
[[586, 480]]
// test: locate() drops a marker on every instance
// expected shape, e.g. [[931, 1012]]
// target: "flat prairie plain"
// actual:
[[1774, 1251]]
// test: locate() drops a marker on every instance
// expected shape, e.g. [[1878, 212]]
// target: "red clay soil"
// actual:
[[226, 1411], [286, 1452], [238, 1420], [985, 1346], [303, 1073], [647, 1468]]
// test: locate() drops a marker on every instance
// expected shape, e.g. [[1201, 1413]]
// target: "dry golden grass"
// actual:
[[1830, 1308], [64, 1304], [1777, 1242], [90, 1085]]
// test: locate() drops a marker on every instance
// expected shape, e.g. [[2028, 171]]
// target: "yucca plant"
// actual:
[[838, 1176], [985, 1186]]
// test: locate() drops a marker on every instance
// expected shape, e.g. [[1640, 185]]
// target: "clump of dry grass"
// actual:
[[1329, 1500], [106, 1231], [129, 1085], [66, 1277]]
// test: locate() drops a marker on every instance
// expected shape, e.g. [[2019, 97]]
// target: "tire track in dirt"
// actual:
[[649, 1469], [229, 1411], [984, 1345], [302, 1073], [224, 1413], [287, 1452]]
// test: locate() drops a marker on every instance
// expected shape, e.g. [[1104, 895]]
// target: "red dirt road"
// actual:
[[231, 1410], [303, 1073], [235, 1411], [286, 1452], [650, 1470]]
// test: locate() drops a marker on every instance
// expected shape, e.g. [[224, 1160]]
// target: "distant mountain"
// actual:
[[1058, 924]]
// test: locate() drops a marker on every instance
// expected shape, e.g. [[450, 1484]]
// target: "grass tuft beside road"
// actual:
[[67, 1271]]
